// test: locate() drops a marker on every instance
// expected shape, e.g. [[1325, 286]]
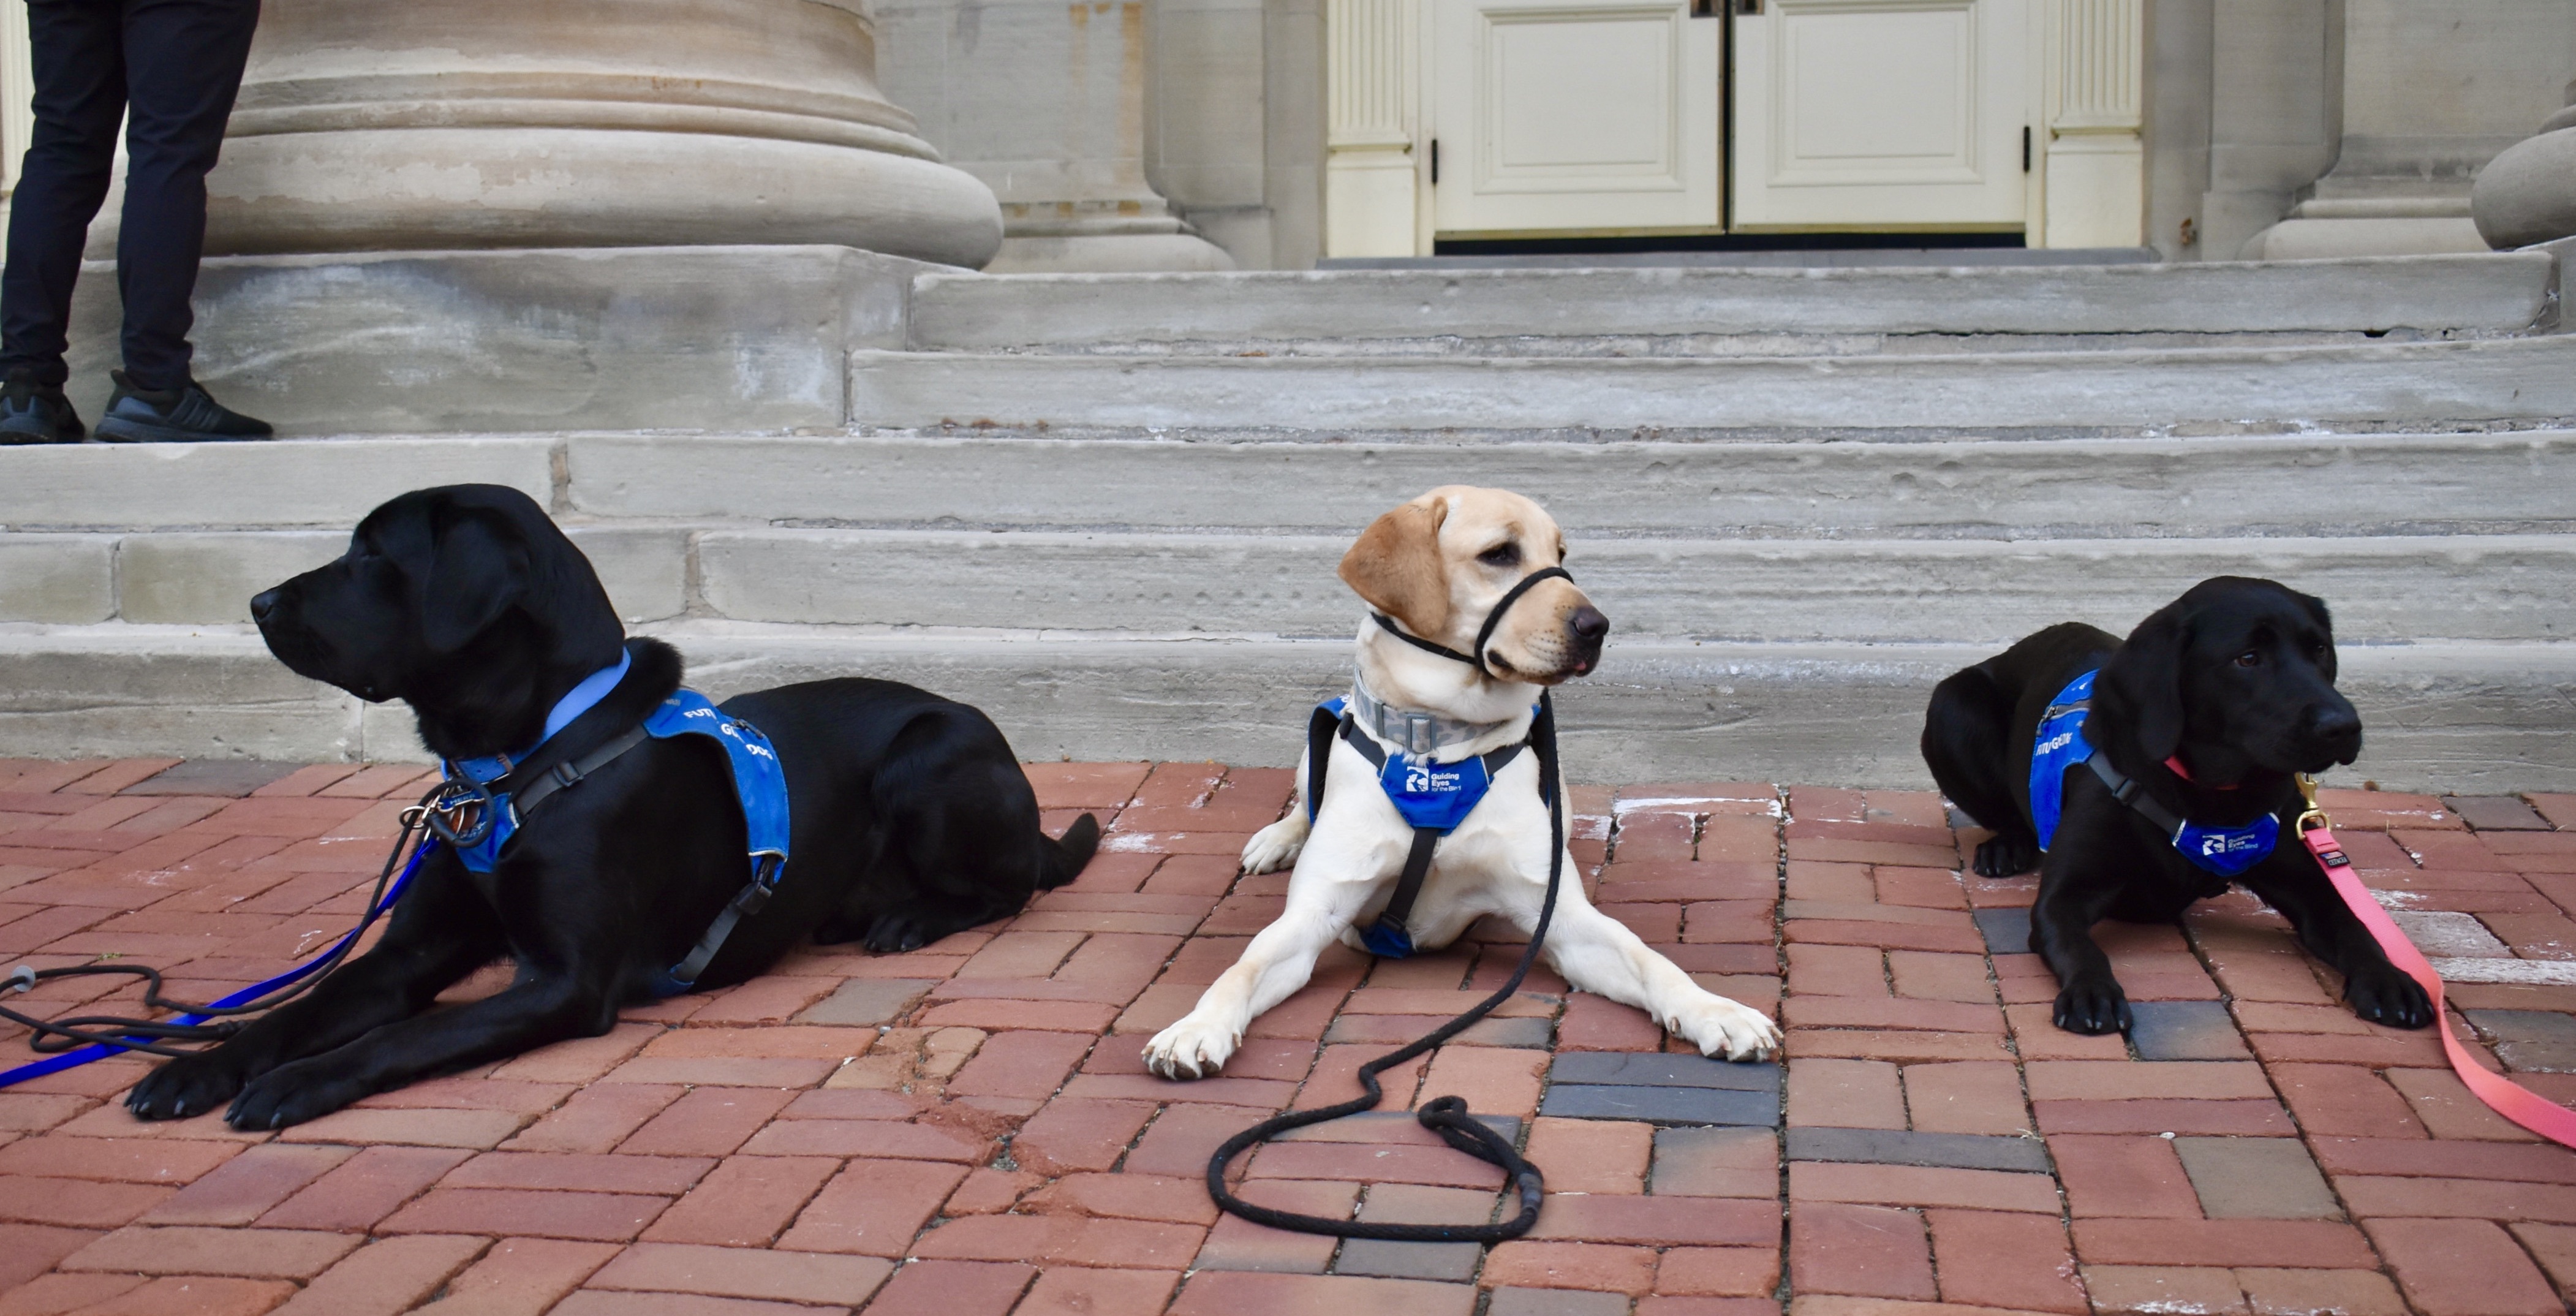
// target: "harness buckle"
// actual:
[[1421, 733]]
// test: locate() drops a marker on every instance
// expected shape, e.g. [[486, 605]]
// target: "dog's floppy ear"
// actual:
[[476, 573], [2146, 674], [1396, 566], [2325, 622]]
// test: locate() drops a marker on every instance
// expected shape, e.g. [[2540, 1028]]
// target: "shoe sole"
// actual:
[[18, 438], [127, 431]]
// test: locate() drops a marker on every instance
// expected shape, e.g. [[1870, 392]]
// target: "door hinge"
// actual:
[[1435, 162], [2025, 148]]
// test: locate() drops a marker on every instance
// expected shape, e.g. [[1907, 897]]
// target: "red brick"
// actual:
[[2122, 1080], [1871, 1251], [873, 1208], [365, 1188], [52, 1295], [1717, 1162], [477, 1129], [1180, 1140], [2238, 1118], [744, 1273], [666, 1176], [1592, 1267], [882, 1138], [196, 1295], [2370, 1195], [386, 1276], [1126, 1196], [580, 1059], [1591, 1156], [1595, 1023], [521, 1277], [1872, 1044], [1659, 1305], [2554, 1245], [1245, 1293], [1071, 1134], [2463, 1268], [2444, 1158], [1702, 1221], [1995, 1259], [2288, 1292], [193, 1250], [1367, 1163], [2446, 1108], [1078, 1291], [707, 1122], [80, 1203], [595, 1302], [27, 1251], [1891, 1012], [1021, 1064], [1966, 1097], [597, 1217], [2123, 1176], [1912, 1185], [2151, 1290], [129, 1160], [596, 1119], [1238, 1244], [1845, 1094], [745, 1201], [2222, 1243], [1065, 1240], [1719, 1271], [952, 1288]]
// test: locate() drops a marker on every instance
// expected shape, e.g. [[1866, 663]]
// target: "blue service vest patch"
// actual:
[[1428, 794], [2060, 745], [759, 783]]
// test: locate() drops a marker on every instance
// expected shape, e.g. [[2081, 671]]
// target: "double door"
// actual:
[[1630, 117]]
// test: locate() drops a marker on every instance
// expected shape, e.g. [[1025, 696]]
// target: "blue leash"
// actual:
[[99, 1050]]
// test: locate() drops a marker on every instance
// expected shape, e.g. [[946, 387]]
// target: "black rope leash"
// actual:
[[52, 1036], [1446, 1116]]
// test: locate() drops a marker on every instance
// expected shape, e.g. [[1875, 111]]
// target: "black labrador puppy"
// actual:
[[2206, 712], [909, 817]]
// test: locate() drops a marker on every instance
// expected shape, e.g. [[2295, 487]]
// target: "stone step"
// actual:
[[2467, 718], [2384, 588], [2473, 294], [2219, 485], [2130, 391]]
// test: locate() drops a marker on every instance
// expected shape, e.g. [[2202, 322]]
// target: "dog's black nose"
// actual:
[[1588, 623], [2332, 723], [262, 604]]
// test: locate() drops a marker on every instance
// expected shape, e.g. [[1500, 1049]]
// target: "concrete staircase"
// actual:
[[1107, 508]]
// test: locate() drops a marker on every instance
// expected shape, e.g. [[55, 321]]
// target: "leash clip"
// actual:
[[463, 813]]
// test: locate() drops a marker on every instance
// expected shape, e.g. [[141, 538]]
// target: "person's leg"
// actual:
[[79, 71], [183, 66]]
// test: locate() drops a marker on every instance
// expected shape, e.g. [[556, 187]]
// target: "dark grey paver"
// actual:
[[2256, 1179], [1659, 1105], [867, 1001], [2496, 813], [2533, 1041], [230, 777], [1557, 1302], [2007, 931], [1663, 1070], [2185, 1030], [1417, 1204], [1956, 1151]]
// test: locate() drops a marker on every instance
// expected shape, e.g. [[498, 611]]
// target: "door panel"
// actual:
[[1575, 115], [1881, 114]]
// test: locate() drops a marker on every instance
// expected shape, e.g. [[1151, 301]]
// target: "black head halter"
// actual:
[[1485, 632]]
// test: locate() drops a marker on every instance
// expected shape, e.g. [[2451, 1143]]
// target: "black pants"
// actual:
[[176, 66]]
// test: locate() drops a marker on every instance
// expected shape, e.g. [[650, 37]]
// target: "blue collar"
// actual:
[[2061, 744], [576, 701]]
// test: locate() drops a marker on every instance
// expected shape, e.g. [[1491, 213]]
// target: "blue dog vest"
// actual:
[[1437, 796], [2060, 745], [759, 783]]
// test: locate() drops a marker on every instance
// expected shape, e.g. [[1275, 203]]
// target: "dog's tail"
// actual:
[[1061, 859]]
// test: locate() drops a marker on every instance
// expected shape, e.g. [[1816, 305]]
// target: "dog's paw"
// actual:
[[2093, 1008], [292, 1094], [2006, 856], [1191, 1049], [1275, 847], [2385, 995], [188, 1085], [1720, 1027]]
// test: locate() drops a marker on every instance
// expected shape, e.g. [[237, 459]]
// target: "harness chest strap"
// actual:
[[2223, 852]]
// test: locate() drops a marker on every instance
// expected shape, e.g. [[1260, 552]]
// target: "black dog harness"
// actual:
[[1445, 1116]]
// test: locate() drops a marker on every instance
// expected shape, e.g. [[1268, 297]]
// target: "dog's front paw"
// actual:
[[2006, 856], [2093, 1008], [2385, 995], [1275, 847], [292, 1094], [1720, 1027], [1190, 1049], [188, 1085]]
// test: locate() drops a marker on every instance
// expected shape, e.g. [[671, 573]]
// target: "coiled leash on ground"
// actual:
[[84, 1038], [1446, 1116]]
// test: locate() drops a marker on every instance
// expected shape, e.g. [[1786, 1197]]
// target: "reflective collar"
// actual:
[[1415, 733], [577, 701]]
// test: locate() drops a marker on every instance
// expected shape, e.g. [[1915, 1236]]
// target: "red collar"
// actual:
[[2174, 764]]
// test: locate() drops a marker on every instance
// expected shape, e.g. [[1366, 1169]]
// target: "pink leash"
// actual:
[[2506, 1097]]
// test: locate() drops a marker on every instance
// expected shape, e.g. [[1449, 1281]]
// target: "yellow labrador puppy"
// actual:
[[1460, 642]]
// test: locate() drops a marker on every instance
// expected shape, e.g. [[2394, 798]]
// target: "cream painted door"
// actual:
[[1882, 114], [1574, 116]]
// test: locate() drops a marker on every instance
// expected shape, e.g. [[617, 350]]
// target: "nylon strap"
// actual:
[[1493, 618]]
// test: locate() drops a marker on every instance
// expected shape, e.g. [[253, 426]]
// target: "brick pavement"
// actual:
[[967, 1129]]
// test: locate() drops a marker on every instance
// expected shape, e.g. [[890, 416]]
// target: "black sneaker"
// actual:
[[36, 413], [172, 415]]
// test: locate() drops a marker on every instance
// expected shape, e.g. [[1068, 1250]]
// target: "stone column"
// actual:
[[2432, 91], [443, 124], [2527, 195], [1045, 101]]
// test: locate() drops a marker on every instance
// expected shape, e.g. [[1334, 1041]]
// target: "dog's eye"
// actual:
[[2250, 658], [1501, 555]]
